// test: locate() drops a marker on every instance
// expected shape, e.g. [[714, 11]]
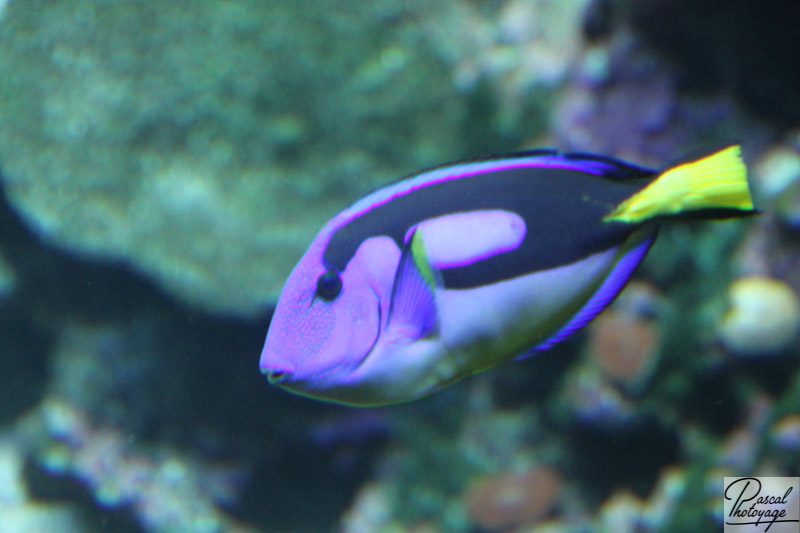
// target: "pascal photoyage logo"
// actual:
[[762, 504]]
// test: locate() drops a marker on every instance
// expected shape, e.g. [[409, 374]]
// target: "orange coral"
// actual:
[[624, 348], [508, 500]]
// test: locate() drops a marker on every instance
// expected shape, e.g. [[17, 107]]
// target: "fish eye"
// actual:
[[329, 285]]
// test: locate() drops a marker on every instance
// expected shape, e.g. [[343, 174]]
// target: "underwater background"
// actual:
[[164, 164]]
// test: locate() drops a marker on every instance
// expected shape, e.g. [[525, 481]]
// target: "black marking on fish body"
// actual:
[[562, 208]]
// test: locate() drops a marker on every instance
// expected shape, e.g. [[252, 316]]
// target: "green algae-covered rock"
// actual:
[[207, 142]]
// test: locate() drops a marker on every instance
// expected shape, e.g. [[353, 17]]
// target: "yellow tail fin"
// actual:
[[718, 181]]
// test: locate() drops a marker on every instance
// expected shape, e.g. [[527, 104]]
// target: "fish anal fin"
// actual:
[[603, 297]]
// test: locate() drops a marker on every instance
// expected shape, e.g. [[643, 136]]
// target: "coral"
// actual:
[[785, 433], [777, 170], [210, 163], [625, 340], [626, 513], [167, 491], [788, 206], [624, 104], [622, 348], [776, 178], [18, 514], [591, 399], [770, 249], [739, 452], [622, 513], [524, 46], [371, 510], [206, 144], [514, 499], [764, 317]]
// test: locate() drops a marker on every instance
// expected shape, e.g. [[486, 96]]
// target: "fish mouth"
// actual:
[[285, 378], [276, 377], [276, 371]]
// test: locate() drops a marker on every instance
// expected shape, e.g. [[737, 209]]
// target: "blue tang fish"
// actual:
[[461, 268]]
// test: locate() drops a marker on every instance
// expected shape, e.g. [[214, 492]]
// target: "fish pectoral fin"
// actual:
[[413, 313]]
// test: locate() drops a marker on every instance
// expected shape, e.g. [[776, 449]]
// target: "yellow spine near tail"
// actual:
[[718, 181]]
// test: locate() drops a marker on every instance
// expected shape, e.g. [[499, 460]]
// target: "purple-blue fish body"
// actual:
[[462, 268]]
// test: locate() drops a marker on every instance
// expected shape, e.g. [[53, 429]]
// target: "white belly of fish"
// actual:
[[490, 325]]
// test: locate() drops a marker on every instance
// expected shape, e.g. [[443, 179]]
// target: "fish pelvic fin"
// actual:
[[413, 314], [716, 184]]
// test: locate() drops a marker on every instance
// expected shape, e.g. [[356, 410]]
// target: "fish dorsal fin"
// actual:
[[602, 298], [608, 167], [413, 313]]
